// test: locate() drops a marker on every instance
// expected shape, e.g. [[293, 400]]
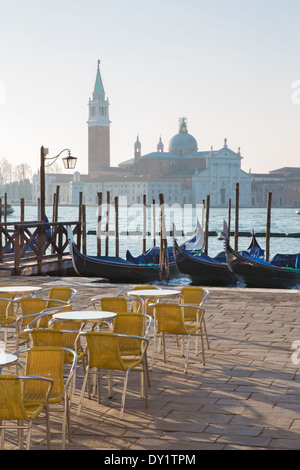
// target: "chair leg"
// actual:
[[5, 338], [2, 435], [154, 346], [20, 434], [187, 354], [47, 426], [63, 439], [66, 424], [110, 384], [202, 346], [147, 370], [29, 434], [164, 345], [124, 394], [98, 386], [85, 380], [206, 335], [182, 345], [145, 380]]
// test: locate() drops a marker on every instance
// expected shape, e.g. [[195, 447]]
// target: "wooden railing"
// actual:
[[39, 241]]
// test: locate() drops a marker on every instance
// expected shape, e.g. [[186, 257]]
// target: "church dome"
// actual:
[[183, 142]]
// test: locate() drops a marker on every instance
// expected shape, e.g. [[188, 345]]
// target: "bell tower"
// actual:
[[98, 128]]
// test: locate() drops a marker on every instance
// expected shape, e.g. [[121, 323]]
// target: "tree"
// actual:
[[22, 172]]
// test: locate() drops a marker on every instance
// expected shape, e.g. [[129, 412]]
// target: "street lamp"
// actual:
[[69, 163]]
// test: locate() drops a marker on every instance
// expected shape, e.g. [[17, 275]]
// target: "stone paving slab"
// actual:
[[246, 397]]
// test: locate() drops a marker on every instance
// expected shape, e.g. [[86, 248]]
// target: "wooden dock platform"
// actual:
[[37, 248], [53, 266]]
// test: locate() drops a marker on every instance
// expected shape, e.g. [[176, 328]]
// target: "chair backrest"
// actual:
[[54, 337], [192, 296], [7, 304], [114, 304], [104, 351], [47, 337], [46, 317], [169, 318], [30, 306], [47, 361], [67, 328], [66, 294], [11, 398], [130, 324]]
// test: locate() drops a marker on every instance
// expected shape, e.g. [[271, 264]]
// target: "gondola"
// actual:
[[113, 268], [152, 255], [9, 209], [202, 269], [256, 272], [142, 269]]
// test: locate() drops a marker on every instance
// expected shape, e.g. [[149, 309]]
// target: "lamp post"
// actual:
[[69, 163]]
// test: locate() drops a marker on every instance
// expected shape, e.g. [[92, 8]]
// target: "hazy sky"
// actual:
[[229, 66]]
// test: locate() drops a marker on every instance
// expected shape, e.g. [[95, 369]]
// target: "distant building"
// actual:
[[213, 172], [98, 129], [284, 184], [181, 172]]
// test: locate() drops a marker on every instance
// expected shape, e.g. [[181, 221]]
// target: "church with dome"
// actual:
[[213, 172], [182, 172]]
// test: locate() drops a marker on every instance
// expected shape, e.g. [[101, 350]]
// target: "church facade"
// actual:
[[183, 173]]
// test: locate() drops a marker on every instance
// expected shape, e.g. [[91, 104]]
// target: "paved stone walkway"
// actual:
[[246, 397]]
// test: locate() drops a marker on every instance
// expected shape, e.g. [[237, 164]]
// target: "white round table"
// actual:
[[18, 290], [151, 293], [85, 316], [7, 359]]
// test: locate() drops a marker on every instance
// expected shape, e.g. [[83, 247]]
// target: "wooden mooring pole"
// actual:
[[79, 218], [163, 254], [83, 220], [154, 222], [107, 223], [116, 226], [236, 229], [268, 228], [99, 219], [144, 222], [229, 217], [206, 224]]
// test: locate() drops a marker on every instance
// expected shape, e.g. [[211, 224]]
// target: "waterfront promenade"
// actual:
[[246, 397]]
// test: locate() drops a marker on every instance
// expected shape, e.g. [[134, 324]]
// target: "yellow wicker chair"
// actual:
[[169, 319], [31, 308], [133, 324], [104, 353], [194, 296], [49, 362], [34, 311], [14, 408], [66, 337], [57, 295], [54, 337], [110, 304], [46, 316], [8, 313], [137, 324]]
